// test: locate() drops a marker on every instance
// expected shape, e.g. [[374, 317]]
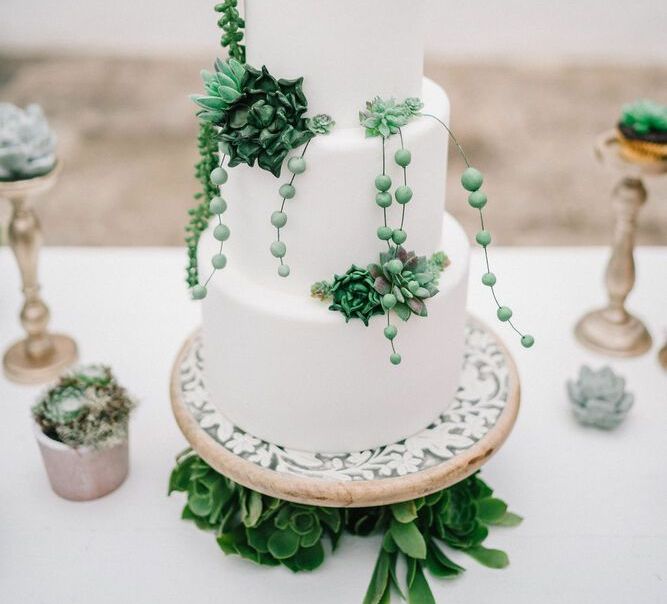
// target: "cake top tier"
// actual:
[[348, 51]]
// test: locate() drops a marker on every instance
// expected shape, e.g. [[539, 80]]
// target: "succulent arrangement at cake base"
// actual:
[[642, 131], [81, 426], [274, 532]]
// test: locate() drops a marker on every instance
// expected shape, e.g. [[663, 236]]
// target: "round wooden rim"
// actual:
[[330, 493]]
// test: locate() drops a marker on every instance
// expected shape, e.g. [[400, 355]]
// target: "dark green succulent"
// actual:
[[354, 295], [383, 117], [645, 117], [409, 280], [263, 529], [272, 531], [259, 119]]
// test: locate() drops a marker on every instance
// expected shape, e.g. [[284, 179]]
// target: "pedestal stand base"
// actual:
[[22, 369], [627, 338], [469, 431]]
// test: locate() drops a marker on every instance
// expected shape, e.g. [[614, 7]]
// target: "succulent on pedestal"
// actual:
[[27, 144]]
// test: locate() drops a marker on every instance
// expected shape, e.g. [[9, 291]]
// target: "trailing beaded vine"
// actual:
[[221, 232], [472, 180], [232, 24], [200, 214], [319, 125]]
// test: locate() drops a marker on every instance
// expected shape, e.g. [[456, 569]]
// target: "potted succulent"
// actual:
[[643, 131], [81, 425]]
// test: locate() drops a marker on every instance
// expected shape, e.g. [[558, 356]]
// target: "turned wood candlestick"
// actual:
[[613, 330], [41, 355]]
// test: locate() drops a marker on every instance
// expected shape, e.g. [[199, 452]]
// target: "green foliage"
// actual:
[[86, 408], [232, 26], [413, 284], [263, 529], [200, 214], [386, 117], [353, 295], [223, 88], [270, 531], [265, 122], [321, 290], [645, 117]]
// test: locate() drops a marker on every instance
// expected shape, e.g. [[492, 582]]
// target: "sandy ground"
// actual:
[[127, 136]]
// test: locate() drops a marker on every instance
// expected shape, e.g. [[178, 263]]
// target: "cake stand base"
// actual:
[[607, 332], [467, 433], [22, 369]]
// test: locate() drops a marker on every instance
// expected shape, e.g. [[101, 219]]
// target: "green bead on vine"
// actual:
[[472, 179], [403, 194], [287, 191], [383, 199], [395, 358], [383, 183], [279, 219], [403, 157], [283, 270], [477, 199], [232, 26], [384, 233], [221, 232], [217, 206], [219, 176], [219, 261], [278, 249], [504, 313], [483, 238], [296, 165]]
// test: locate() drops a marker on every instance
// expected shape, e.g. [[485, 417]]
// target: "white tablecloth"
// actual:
[[595, 503]]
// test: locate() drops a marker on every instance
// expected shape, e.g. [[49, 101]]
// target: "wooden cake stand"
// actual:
[[469, 431]]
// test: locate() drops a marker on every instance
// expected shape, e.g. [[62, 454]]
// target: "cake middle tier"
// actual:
[[333, 219], [286, 369]]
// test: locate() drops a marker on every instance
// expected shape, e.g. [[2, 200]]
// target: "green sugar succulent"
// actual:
[[86, 408], [232, 26], [272, 532], [258, 118], [409, 278], [321, 124], [353, 295], [645, 117], [383, 117]]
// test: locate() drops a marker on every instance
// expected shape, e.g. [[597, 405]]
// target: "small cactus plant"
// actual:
[[86, 408], [27, 144], [599, 398]]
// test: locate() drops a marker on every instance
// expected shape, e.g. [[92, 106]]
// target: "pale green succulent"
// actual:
[[320, 124], [27, 144], [383, 117], [223, 88], [599, 398]]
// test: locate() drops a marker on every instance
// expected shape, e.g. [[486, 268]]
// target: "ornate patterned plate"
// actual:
[[464, 437]]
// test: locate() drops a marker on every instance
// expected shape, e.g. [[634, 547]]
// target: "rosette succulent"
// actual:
[[599, 398], [355, 296], [320, 124], [645, 117], [413, 106], [27, 144], [405, 281], [383, 117], [86, 408], [259, 118], [263, 529]]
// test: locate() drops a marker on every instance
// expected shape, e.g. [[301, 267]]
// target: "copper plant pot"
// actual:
[[85, 473]]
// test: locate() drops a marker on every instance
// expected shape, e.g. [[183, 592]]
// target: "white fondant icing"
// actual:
[[333, 219], [286, 369], [348, 51]]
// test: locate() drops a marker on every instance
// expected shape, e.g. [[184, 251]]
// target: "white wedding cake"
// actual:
[[277, 362]]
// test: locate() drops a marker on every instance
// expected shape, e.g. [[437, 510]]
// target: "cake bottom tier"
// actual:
[[289, 371]]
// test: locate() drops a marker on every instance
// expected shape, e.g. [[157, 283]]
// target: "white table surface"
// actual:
[[595, 503]]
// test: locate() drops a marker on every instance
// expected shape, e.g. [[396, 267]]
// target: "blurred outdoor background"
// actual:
[[532, 84]]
